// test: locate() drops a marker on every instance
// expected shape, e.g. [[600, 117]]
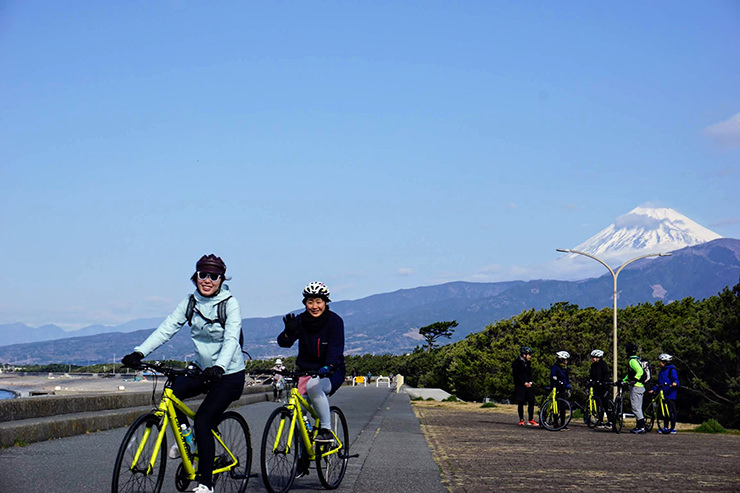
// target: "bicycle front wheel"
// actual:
[[552, 420], [136, 468], [279, 457], [593, 412], [234, 433], [618, 418], [331, 459], [664, 415]]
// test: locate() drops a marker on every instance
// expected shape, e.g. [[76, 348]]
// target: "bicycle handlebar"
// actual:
[[289, 373], [170, 372]]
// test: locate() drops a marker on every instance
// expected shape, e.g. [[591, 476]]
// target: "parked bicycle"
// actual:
[[593, 410], [289, 437], [615, 408], [142, 457], [555, 412], [656, 408]]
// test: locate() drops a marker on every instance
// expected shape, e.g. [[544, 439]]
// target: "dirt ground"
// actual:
[[485, 450]]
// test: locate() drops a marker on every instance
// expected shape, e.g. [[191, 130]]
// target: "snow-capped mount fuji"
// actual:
[[641, 231]]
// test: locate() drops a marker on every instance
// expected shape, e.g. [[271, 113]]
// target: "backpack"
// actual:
[[190, 310], [647, 372]]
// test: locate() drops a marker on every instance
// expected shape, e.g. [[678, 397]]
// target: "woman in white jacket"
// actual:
[[217, 353]]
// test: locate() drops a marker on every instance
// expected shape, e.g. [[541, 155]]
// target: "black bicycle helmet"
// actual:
[[525, 350], [631, 349], [212, 264]]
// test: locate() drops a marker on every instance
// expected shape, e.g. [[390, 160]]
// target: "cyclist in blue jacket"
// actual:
[[560, 378], [668, 381]]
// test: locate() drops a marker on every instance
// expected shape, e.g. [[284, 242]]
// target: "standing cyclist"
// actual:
[[599, 377], [523, 389], [560, 379], [637, 388], [217, 353], [320, 335], [668, 381]]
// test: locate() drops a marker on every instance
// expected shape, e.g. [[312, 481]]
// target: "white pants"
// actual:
[[317, 388]]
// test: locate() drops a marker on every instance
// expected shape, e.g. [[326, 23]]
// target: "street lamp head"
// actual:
[[564, 250]]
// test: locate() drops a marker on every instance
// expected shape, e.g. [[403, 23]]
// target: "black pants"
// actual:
[[673, 410], [219, 395], [524, 395]]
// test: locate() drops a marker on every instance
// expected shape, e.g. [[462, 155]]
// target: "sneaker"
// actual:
[[662, 431], [202, 489], [638, 431], [521, 422], [324, 436], [673, 432], [532, 422], [301, 472], [174, 452]]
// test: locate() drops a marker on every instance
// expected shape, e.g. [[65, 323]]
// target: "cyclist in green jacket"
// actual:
[[637, 389]]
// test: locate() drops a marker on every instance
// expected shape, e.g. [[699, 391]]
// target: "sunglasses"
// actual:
[[208, 275]]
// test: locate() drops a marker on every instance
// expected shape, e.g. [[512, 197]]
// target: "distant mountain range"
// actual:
[[388, 322]]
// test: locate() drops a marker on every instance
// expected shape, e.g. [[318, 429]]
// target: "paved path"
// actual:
[[393, 454]]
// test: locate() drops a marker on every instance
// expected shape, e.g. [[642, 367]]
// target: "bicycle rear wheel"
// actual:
[[331, 460], [234, 432], [553, 421], [132, 472], [649, 413], [618, 417], [278, 458]]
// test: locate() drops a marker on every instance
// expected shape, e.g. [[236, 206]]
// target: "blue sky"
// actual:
[[371, 145]]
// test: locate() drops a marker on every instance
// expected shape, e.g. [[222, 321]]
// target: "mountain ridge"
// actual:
[[387, 322]]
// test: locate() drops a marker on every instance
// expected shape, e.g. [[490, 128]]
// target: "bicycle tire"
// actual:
[[664, 418], [278, 465], [234, 432], [552, 421], [128, 479], [618, 417], [592, 417], [649, 413], [331, 468]]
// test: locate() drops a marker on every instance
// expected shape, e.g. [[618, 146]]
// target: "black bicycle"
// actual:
[[615, 408]]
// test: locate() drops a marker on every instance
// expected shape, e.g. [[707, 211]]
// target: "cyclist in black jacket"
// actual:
[[599, 375], [320, 336], [523, 388]]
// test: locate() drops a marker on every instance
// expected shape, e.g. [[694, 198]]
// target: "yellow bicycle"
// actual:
[[555, 412], [289, 438], [142, 456], [657, 408]]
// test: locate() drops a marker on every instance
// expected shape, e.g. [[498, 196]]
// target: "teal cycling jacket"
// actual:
[[215, 345]]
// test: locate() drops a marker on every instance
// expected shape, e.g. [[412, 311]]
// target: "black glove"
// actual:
[[132, 360], [291, 325], [213, 373]]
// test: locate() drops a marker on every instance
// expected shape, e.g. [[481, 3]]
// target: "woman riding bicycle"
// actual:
[[217, 353], [320, 336]]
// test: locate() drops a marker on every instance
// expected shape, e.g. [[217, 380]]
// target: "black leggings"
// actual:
[[219, 395], [525, 395]]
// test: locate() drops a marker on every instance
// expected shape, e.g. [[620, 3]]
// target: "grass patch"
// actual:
[[452, 398], [710, 426], [488, 404]]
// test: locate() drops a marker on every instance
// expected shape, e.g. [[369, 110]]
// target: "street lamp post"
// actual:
[[614, 274]]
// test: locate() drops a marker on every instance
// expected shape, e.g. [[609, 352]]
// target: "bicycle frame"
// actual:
[[166, 413], [296, 404], [553, 397]]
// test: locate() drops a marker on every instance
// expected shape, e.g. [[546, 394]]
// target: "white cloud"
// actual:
[[726, 133], [404, 271]]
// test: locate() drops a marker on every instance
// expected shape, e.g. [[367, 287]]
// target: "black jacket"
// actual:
[[320, 343], [522, 370]]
